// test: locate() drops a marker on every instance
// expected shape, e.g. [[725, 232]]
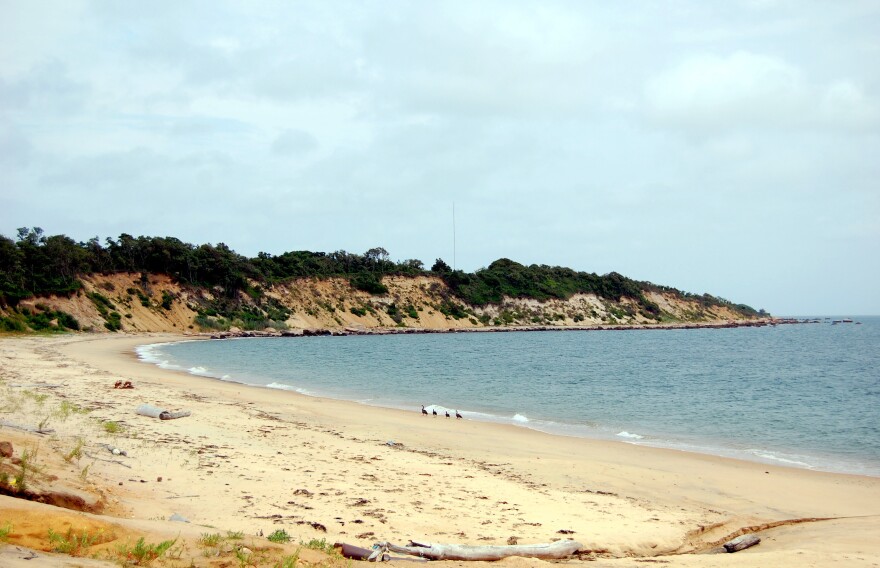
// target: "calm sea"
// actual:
[[805, 395]]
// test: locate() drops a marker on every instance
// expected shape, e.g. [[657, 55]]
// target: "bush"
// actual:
[[206, 322], [167, 298], [66, 320], [279, 536], [11, 324], [394, 312], [102, 303], [368, 282], [113, 321], [451, 309]]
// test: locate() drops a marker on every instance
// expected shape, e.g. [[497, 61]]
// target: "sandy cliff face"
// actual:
[[162, 305]]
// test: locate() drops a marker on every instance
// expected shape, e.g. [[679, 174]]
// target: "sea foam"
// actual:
[[626, 434]]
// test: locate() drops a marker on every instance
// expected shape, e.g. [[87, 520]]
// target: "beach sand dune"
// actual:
[[255, 460]]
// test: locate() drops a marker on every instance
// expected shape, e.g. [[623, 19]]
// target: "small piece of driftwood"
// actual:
[[161, 413], [114, 450], [741, 543], [551, 551], [31, 429], [108, 461]]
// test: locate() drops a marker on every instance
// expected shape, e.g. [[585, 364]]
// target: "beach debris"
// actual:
[[552, 551], [160, 413], [123, 385], [374, 554], [31, 429], [741, 543], [178, 518], [114, 450], [357, 553], [6, 449]]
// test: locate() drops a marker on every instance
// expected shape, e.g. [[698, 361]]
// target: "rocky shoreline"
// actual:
[[347, 331]]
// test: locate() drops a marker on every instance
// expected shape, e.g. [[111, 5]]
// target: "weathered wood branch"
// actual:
[[160, 413], [741, 543], [108, 461], [23, 428], [551, 551]]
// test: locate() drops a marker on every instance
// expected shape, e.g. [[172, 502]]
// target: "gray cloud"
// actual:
[[291, 142], [722, 148], [748, 90], [45, 88]]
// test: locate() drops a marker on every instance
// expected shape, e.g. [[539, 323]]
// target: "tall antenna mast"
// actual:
[[453, 236]]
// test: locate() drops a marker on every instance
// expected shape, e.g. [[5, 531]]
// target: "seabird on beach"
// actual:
[[434, 410], [447, 414], [425, 412], [457, 415]]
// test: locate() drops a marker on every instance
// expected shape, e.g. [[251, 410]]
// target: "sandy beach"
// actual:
[[255, 460]]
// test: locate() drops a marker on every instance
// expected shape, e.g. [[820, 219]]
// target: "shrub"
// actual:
[[167, 298], [394, 312], [143, 554], [451, 309], [66, 320], [321, 545], [210, 539], [279, 536], [206, 322], [73, 544], [367, 282], [11, 324], [101, 302], [113, 321]]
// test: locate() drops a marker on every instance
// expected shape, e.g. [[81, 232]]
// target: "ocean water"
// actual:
[[804, 395]]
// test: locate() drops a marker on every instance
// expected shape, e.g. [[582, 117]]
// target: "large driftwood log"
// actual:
[[358, 553], [551, 551], [741, 543], [161, 414]]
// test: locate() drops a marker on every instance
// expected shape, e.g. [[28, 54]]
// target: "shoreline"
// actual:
[[267, 460], [782, 457], [349, 330]]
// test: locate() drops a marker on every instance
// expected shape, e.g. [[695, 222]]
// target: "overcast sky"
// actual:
[[722, 147]]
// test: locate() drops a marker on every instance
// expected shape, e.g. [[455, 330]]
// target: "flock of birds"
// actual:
[[434, 412]]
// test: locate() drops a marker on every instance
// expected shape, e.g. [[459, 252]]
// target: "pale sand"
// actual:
[[253, 459]]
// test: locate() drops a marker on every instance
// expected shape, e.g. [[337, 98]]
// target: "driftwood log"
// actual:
[[551, 551], [358, 553], [160, 413], [741, 543], [24, 428]]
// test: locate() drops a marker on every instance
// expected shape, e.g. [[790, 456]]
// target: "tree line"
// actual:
[[34, 264]]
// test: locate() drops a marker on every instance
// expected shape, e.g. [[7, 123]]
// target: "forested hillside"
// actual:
[[217, 288]]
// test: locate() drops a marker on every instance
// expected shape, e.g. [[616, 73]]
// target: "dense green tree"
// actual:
[[441, 267], [37, 264]]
